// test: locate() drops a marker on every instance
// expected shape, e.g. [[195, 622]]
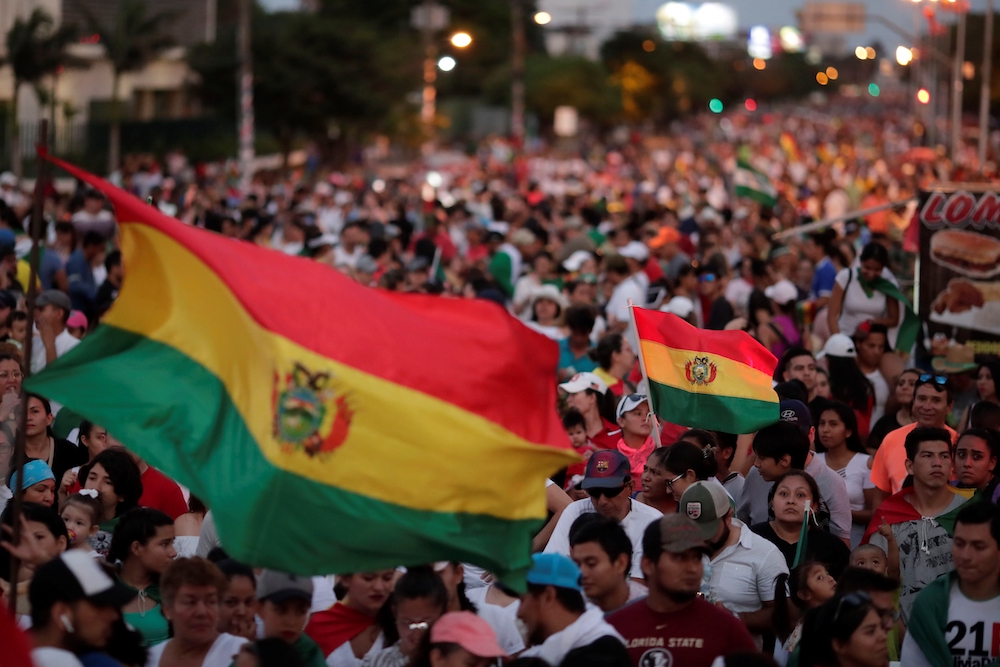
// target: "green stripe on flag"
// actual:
[[716, 413], [179, 417], [752, 184]]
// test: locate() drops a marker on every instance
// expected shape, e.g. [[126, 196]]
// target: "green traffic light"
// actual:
[[715, 106], [873, 89]]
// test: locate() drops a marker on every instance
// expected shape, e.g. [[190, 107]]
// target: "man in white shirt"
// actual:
[[956, 619], [51, 340], [74, 605], [608, 482], [744, 566]]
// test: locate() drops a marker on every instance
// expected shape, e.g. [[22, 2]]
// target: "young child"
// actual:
[[809, 586], [285, 600], [871, 557], [82, 512], [575, 426]]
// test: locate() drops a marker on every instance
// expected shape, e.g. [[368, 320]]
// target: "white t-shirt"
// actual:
[[220, 655], [634, 523], [65, 342], [343, 655], [881, 388], [743, 574], [857, 306], [617, 306], [857, 477], [47, 656], [503, 620], [972, 627]]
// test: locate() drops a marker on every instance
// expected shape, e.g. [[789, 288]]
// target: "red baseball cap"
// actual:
[[468, 631]]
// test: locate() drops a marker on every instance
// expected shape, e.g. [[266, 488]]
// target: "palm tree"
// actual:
[[130, 41], [35, 49]]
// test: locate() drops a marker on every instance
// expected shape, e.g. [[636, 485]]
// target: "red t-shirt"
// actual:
[[693, 637], [162, 493]]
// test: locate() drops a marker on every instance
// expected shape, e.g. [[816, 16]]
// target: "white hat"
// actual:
[[838, 345], [634, 250], [582, 382], [8, 178], [628, 403], [576, 260], [782, 292], [550, 292]]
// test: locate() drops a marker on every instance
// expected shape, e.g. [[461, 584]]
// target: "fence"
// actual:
[[86, 143]]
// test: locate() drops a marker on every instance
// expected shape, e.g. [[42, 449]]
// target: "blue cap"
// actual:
[[34, 472], [796, 412], [554, 570]]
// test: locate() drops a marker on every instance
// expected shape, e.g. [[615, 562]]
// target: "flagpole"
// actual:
[[642, 367], [37, 210]]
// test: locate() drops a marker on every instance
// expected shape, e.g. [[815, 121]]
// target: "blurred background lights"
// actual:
[[822, 79], [874, 90], [923, 96], [715, 106], [861, 53], [832, 73], [446, 64], [903, 55], [543, 18], [750, 104]]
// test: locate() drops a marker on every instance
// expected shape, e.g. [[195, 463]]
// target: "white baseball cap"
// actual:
[[782, 292], [582, 382], [839, 345], [634, 250]]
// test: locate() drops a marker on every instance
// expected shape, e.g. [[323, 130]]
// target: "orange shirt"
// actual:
[[889, 465]]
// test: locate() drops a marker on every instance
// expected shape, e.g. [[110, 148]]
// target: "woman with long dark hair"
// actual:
[[116, 478], [855, 300], [839, 447], [847, 631], [987, 377]]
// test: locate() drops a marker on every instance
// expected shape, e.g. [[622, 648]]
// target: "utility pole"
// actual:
[[245, 91], [984, 94], [517, 74], [429, 17], [957, 85]]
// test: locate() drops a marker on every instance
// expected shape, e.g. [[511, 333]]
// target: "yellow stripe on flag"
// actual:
[[667, 365], [176, 299]]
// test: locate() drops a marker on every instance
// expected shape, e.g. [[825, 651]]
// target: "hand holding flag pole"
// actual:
[[642, 368]]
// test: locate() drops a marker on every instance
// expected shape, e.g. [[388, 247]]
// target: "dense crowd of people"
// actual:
[[859, 528]]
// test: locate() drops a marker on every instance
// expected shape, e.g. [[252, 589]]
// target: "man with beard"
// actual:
[[673, 626], [74, 606], [744, 566]]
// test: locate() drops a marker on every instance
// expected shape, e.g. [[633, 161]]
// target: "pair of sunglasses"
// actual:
[[607, 493], [930, 378]]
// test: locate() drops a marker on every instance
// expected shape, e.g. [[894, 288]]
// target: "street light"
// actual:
[[461, 39], [446, 64], [543, 18], [861, 53], [903, 55]]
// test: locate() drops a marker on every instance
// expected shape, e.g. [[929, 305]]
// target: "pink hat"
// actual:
[[468, 631], [76, 320]]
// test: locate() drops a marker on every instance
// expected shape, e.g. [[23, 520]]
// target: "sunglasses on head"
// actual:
[[930, 378], [852, 601], [607, 493]]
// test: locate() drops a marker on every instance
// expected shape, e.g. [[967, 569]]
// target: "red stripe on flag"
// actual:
[[470, 353], [672, 331]]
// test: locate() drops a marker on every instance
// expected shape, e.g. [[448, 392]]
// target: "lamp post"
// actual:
[[957, 86], [984, 91], [517, 74], [429, 17]]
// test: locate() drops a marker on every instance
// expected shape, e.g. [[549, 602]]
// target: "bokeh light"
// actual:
[[861, 53], [543, 18], [832, 73], [447, 64], [759, 63], [750, 104], [923, 96], [715, 105], [874, 90], [461, 39], [822, 79]]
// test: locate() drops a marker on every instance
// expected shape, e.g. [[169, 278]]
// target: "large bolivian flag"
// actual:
[[716, 380], [330, 427]]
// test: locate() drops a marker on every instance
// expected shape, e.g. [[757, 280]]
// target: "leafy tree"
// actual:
[[35, 49], [131, 40]]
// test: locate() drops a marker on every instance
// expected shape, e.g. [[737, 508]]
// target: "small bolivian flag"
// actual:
[[330, 427], [715, 380]]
